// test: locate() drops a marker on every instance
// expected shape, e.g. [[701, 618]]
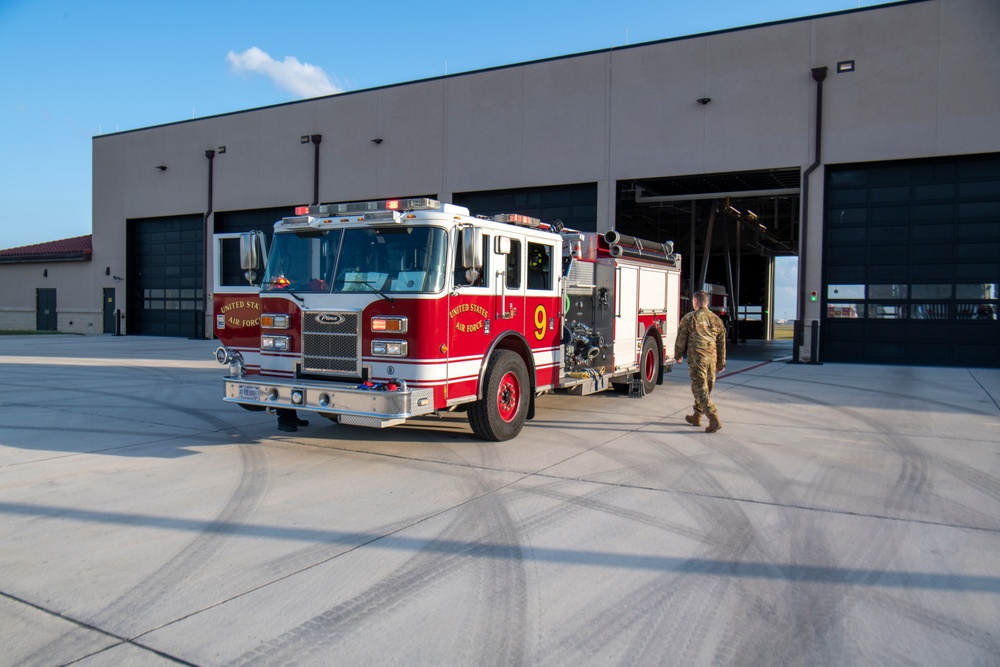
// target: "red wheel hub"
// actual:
[[649, 365], [508, 396]]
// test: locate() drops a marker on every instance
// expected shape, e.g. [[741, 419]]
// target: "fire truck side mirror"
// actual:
[[249, 257], [472, 248]]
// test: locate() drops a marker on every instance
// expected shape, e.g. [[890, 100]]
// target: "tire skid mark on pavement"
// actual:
[[912, 491], [131, 612], [486, 515], [508, 587], [921, 401], [981, 639], [789, 628], [668, 597], [776, 485], [127, 398], [121, 617]]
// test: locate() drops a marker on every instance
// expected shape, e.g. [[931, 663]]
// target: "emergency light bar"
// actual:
[[416, 204], [518, 219]]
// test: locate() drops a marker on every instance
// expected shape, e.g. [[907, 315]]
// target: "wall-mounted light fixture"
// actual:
[[376, 141], [304, 139], [45, 273], [162, 167], [845, 66], [704, 100], [221, 150], [107, 271], [117, 279]]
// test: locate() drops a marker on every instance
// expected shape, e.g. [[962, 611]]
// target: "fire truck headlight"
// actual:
[[391, 324], [297, 396], [276, 343], [389, 348], [271, 321]]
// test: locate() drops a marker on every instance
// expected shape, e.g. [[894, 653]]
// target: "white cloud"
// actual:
[[302, 79]]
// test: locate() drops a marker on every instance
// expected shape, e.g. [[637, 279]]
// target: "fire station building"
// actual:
[[865, 142]]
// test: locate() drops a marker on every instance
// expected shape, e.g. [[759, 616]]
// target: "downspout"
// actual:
[[210, 154], [818, 75], [316, 138]]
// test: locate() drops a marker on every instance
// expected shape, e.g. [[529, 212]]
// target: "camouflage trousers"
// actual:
[[702, 371]]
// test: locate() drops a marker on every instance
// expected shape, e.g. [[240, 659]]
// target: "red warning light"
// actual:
[[392, 204], [301, 210]]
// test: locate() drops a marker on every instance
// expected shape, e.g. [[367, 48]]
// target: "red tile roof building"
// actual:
[[78, 248]]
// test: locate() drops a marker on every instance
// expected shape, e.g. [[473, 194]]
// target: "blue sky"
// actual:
[[75, 69]]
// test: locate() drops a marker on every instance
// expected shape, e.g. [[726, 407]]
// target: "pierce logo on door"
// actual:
[[327, 318]]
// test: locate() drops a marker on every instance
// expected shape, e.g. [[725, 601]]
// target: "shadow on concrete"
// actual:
[[760, 350], [697, 566]]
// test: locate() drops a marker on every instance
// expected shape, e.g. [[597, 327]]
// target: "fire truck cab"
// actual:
[[372, 313]]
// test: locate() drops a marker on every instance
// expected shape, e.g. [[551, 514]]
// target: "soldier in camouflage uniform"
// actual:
[[702, 335]]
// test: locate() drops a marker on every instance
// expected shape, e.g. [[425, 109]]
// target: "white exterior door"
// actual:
[[626, 315]]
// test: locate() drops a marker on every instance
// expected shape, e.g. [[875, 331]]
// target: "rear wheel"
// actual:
[[649, 364], [500, 413]]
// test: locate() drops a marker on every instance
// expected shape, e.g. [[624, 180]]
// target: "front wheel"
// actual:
[[649, 364], [500, 413]]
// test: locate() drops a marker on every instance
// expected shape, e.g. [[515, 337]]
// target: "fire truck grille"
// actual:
[[330, 343]]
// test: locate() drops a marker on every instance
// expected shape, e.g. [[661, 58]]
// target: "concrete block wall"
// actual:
[[17, 319], [80, 321]]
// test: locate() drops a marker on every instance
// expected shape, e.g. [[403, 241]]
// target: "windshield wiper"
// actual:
[[275, 283], [374, 289]]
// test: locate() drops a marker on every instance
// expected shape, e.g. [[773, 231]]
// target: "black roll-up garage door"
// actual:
[[166, 286], [911, 262]]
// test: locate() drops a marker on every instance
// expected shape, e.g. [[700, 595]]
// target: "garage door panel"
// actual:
[[930, 229], [166, 275]]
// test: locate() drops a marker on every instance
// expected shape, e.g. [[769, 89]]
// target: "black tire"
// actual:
[[252, 408], [500, 413], [649, 364]]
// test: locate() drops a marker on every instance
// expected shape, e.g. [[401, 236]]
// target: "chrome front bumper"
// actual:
[[350, 405]]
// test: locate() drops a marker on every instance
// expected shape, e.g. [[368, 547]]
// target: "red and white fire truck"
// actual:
[[372, 313]]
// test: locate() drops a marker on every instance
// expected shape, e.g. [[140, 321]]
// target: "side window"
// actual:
[[228, 264], [484, 275], [539, 266], [482, 280], [514, 265]]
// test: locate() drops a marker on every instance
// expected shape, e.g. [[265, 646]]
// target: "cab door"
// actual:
[[543, 310], [235, 301], [509, 253], [471, 320]]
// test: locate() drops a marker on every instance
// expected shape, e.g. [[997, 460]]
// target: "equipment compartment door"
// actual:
[[626, 315]]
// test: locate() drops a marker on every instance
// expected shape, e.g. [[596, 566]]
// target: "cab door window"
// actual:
[[539, 266], [513, 277]]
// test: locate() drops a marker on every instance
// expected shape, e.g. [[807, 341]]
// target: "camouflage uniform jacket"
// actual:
[[701, 334]]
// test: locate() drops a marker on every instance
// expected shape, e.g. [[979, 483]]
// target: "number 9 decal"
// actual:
[[540, 322]]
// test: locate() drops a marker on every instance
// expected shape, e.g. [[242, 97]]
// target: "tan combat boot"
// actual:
[[694, 420], [713, 423]]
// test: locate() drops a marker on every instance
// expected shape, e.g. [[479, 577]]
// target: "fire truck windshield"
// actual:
[[389, 260]]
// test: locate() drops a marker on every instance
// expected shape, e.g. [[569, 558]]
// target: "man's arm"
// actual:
[[720, 347], [680, 344]]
